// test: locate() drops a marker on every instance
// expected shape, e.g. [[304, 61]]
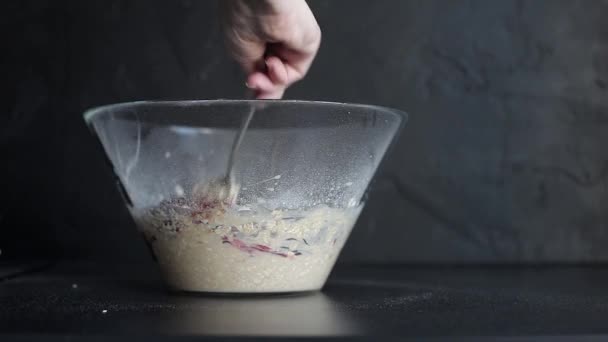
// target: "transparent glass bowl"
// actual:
[[302, 172]]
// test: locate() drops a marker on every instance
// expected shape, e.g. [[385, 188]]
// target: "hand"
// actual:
[[274, 41]]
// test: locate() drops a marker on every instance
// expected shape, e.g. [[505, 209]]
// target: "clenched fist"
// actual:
[[274, 41]]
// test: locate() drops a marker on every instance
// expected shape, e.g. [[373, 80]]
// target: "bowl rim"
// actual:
[[90, 114]]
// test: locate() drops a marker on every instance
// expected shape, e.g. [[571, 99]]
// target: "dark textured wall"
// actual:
[[504, 158]]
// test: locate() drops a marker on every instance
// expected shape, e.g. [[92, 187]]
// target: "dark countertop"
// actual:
[[89, 301]]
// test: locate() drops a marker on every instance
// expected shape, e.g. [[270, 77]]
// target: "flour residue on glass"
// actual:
[[227, 188]]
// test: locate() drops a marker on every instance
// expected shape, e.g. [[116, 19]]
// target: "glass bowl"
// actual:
[[299, 183]]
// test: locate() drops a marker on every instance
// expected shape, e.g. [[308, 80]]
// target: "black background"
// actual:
[[503, 160]]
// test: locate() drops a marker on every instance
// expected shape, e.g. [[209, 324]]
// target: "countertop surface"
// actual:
[[92, 301]]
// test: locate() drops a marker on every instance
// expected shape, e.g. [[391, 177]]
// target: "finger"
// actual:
[[264, 87], [271, 95], [296, 63], [277, 71], [260, 82], [249, 55], [243, 45]]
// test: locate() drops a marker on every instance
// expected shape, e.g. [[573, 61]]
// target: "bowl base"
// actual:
[[245, 294]]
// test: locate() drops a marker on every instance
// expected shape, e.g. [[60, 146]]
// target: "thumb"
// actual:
[[248, 54], [243, 45]]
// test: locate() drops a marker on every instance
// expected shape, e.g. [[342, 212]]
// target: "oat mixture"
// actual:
[[217, 246]]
